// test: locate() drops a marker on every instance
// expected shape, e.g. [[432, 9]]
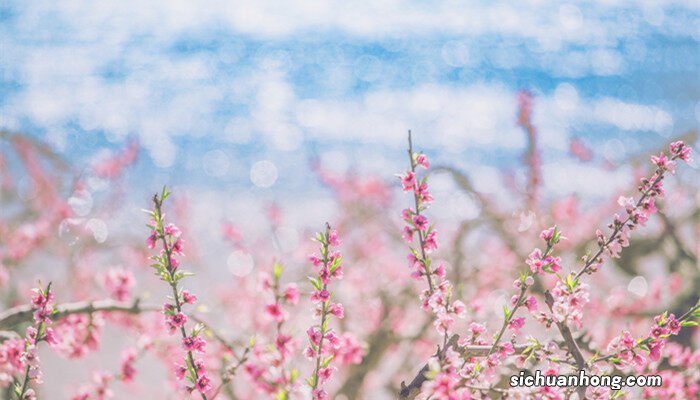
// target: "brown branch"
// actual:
[[411, 390], [7, 335], [17, 315], [24, 313], [570, 343]]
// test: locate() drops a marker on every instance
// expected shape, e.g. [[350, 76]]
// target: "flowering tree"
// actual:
[[531, 283]]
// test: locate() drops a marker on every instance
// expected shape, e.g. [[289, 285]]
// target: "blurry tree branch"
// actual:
[[378, 342], [496, 220], [671, 231], [7, 335], [458, 256], [17, 315], [42, 148], [24, 313]]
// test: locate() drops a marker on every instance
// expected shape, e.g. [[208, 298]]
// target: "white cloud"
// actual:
[[175, 97], [453, 117], [566, 177], [563, 110], [548, 23], [60, 50], [631, 116]]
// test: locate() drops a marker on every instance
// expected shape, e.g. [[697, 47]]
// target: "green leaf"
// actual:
[[41, 331], [506, 312], [197, 329], [663, 318], [570, 282], [315, 282], [181, 274], [617, 394], [523, 277], [327, 361], [319, 238], [165, 193], [311, 381], [335, 264], [415, 253], [555, 234], [277, 270], [165, 276], [689, 323]]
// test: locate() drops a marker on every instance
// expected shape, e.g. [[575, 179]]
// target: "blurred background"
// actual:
[[268, 119]]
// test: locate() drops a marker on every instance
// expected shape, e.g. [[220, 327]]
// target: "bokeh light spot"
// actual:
[[263, 174]]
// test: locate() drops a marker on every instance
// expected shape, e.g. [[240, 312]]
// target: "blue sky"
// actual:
[[214, 88]]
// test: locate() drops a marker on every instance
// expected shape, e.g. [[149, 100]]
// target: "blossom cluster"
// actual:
[[437, 297], [454, 374], [80, 334], [270, 372], [637, 212], [118, 282], [42, 302], [570, 297], [628, 350], [166, 265], [682, 379], [99, 386], [539, 263], [322, 339], [467, 360], [11, 363], [98, 389], [417, 223]]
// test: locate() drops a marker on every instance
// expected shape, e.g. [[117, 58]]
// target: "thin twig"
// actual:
[[411, 390]]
